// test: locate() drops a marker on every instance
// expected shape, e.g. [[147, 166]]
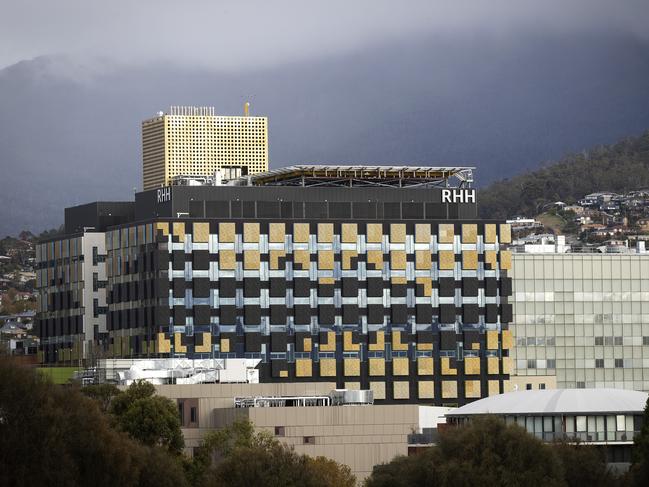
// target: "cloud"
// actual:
[[247, 35]]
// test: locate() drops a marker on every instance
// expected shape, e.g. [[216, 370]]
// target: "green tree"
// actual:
[[583, 465], [56, 436], [244, 458], [639, 473], [150, 419], [486, 452], [102, 394]]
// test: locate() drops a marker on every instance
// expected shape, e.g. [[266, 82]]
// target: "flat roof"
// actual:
[[557, 401], [359, 175]]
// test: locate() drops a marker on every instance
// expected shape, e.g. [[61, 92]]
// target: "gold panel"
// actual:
[[374, 232], [446, 260], [397, 233], [398, 260], [354, 386], [179, 230], [449, 389], [227, 260], [348, 344], [475, 346], [472, 388], [276, 232], [427, 282], [378, 388], [426, 389], [507, 339], [469, 260], [346, 257], [352, 367], [505, 260], [178, 345], [327, 367], [349, 233], [377, 366], [325, 260], [251, 232], [492, 340], [425, 366], [446, 367], [307, 344], [201, 232], [508, 365], [380, 342], [397, 342], [227, 232], [283, 373], [423, 259], [424, 346], [490, 233], [401, 390], [375, 257], [493, 366], [505, 233], [207, 343], [325, 232], [472, 365], [301, 232], [491, 258], [251, 260], [469, 233], [400, 366], [326, 280], [302, 257], [131, 237], [494, 387], [274, 257], [225, 345], [164, 344], [330, 346], [399, 280], [422, 233], [303, 367], [446, 233]]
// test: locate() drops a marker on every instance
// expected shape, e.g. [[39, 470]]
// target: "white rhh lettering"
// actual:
[[458, 196], [164, 195]]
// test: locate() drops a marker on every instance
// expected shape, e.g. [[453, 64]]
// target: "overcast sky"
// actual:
[[235, 35]]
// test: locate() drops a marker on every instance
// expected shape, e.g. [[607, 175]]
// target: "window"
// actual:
[[619, 363], [599, 340], [542, 386], [645, 340], [308, 440], [279, 431], [528, 387], [618, 340], [552, 363], [581, 385], [531, 364], [599, 363], [193, 417]]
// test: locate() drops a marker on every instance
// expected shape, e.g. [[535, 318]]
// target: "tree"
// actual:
[[102, 394], [583, 465], [54, 435], [150, 419], [244, 457], [639, 473], [486, 452]]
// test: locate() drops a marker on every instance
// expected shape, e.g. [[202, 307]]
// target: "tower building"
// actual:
[[193, 141]]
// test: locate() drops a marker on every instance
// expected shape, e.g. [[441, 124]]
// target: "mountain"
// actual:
[[619, 168], [70, 128]]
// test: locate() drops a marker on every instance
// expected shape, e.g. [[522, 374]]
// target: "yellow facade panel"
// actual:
[[508, 365], [401, 390], [326, 280], [472, 365], [325, 260], [251, 232], [426, 389], [400, 366], [251, 260], [377, 366], [490, 233], [330, 346], [352, 367], [225, 345], [307, 344], [446, 366], [446, 260], [491, 259], [399, 341], [494, 387], [283, 373], [179, 230], [349, 233], [274, 257], [426, 283], [470, 260], [227, 260], [374, 232], [380, 342], [349, 259], [446, 233], [378, 388], [472, 389], [276, 232], [201, 232], [325, 232], [493, 366], [303, 259], [301, 232], [425, 366], [423, 260], [207, 344], [178, 344], [492, 340], [507, 339], [449, 389], [164, 344], [227, 232], [348, 344], [375, 260], [397, 233], [469, 233], [422, 233], [505, 233], [327, 367], [506, 260], [399, 280], [303, 367]]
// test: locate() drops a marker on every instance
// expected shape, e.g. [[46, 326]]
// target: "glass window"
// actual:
[[581, 423], [619, 363], [547, 424], [620, 421], [570, 424], [599, 363]]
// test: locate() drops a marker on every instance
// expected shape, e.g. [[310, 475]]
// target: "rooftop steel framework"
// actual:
[[362, 176]]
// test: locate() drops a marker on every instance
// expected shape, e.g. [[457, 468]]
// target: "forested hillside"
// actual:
[[620, 167]]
